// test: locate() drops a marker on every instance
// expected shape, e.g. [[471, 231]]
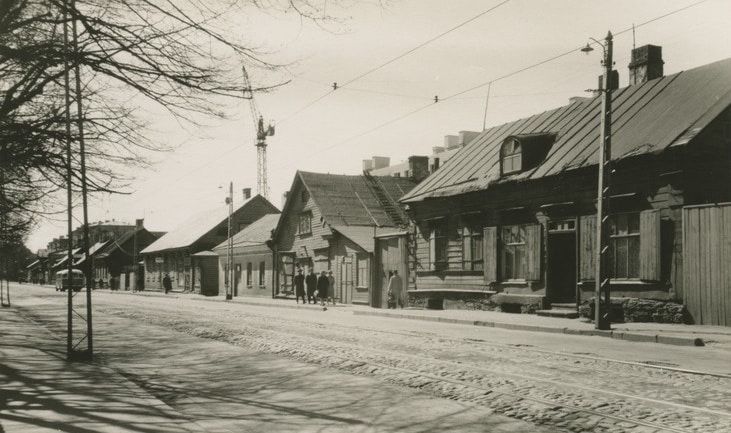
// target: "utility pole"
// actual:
[[602, 271], [230, 249]]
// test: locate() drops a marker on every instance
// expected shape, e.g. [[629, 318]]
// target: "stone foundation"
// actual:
[[640, 310], [486, 301]]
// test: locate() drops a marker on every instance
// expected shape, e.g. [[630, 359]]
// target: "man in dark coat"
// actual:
[[167, 284], [322, 285], [311, 283], [299, 286]]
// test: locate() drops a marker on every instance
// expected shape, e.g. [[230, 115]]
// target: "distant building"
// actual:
[[185, 252], [252, 259]]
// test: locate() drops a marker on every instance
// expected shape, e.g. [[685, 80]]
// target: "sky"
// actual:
[[336, 133]]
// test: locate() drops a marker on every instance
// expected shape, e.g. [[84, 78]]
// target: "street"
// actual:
[[237, 367]]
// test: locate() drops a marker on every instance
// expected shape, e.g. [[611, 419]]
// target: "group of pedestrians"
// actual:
[[316, 287]]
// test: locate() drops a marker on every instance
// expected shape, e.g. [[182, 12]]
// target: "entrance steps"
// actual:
[[557, 309]]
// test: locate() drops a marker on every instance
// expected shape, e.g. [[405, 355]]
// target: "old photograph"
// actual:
[[360, 216]]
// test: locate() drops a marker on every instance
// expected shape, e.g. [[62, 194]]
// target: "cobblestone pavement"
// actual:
[[557, 390]]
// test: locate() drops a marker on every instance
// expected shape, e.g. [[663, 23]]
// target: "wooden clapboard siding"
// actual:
[[587, 236], [706, 260], [490, 254], [451, 282], [533, 236], [650, 245]]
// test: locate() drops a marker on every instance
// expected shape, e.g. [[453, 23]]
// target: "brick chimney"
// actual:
[[646, 64], [247, 193], [139, 223], [419, 167]]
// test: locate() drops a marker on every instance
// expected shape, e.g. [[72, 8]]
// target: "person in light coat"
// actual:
[[395, 286]]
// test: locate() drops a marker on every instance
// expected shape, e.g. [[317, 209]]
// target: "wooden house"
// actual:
[[330, 222], [252, 260], [114, 264], [510, 219], [185, 252]]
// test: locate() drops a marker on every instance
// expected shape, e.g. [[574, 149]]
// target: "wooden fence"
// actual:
[[707, 263]]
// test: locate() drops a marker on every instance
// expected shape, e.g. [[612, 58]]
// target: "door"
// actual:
[[391, 256], [347, 279], [562, 261]]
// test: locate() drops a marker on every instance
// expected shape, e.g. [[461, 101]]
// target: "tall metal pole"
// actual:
[[602, 271], [229, 286], [85, 207], [69, 215]]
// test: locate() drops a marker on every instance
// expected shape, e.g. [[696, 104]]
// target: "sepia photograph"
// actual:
[[365, 216]]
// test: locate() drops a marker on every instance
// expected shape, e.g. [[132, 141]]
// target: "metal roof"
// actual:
[[363, 236], [256, 233], [94, 248], [646, 118], [195, 228]]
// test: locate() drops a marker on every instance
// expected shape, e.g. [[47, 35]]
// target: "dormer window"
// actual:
[[524, 151], [511, 156]]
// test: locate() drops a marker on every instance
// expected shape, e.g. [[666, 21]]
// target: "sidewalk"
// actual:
[[42, 392], [663, 333]]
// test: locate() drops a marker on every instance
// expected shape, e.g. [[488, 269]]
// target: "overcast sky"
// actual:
[[516, 34]]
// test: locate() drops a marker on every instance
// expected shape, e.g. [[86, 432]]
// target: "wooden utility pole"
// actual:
[[602, 271], [230, 247]]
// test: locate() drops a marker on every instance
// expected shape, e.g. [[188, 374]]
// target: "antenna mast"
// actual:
[[262, 186]]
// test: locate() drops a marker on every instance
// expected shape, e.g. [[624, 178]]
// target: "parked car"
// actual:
[[76, 283]]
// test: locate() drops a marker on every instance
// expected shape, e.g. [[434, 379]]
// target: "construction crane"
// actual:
[[262, 186]]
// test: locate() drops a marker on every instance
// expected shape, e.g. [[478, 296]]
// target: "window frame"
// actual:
[[440, 238], [304, 216], [514, 246], [262, 274], [249, 272], [472, 242], [516, 154], [362, 275], [615, 237]]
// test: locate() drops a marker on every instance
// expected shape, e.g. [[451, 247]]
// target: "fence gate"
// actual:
[[707, 263]]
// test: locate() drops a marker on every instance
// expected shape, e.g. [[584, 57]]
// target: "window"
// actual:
[[305, 223], [262, 274], [439, 240], [512, 252], [471, 233], [362, 271], [305, 196], [624, 246], [248, 274], [511, 156]]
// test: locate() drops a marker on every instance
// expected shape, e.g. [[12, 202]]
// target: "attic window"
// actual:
[[525, 151], [511, 156]]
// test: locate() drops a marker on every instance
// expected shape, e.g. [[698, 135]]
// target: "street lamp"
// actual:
[[601, 271]]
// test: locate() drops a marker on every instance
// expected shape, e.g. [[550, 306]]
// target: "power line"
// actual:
[[490, 82], [392, 60]]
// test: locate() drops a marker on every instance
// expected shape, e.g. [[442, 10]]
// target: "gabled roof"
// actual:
[[195, 228], [363, 236], [116, 244], [646, 118], [65, 257], [350, 200], [257, 233], [92, 250]]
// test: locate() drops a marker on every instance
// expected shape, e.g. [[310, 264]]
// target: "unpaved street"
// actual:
[[229, 365]]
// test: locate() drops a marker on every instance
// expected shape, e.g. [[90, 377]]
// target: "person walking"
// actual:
[[331, 286], [395, 286], [322, 289], [311, 284], [167, 284], [299, 286]]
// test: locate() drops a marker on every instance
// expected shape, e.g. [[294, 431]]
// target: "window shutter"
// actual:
[[650, 245], [466, 247], [587, 236], [432, 250], [490, 254], [533, 252]]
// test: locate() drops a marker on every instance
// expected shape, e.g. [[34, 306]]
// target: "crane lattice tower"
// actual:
[[262, 186]]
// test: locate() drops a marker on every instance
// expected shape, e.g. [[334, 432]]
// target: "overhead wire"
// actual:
[[337, 86]]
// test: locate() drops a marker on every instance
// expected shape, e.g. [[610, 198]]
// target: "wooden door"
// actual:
[[347, 281], [391, 255]]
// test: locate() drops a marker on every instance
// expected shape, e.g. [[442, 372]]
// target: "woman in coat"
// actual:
[[322, 288]]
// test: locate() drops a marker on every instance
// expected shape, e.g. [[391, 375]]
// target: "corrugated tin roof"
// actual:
[[193, 229], [346, 200], [257, 233], [363, 236], [646, 118]]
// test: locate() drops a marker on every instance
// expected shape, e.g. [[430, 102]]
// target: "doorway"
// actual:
[[562, 261]]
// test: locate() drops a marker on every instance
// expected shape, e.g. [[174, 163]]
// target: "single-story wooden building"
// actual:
[[113, 264], [511, 219], [330, 222], [185, 252], [252, 260]]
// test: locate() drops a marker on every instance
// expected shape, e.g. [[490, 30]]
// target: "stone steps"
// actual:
[[566, 313]]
